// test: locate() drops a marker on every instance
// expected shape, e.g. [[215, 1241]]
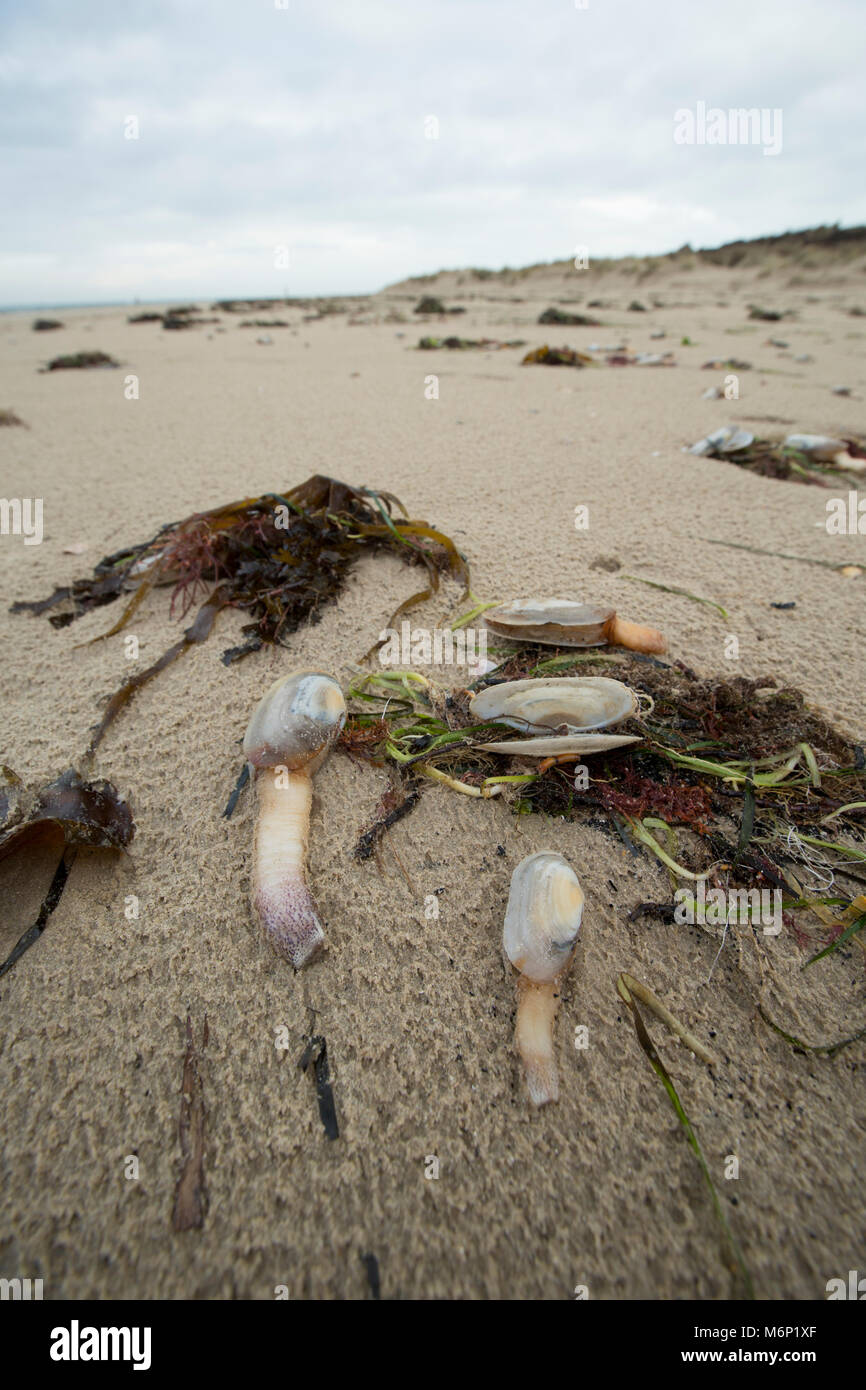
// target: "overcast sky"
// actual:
[[306, 128]]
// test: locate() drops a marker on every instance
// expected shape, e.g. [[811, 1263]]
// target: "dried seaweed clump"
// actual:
[[278, 557], [80, 361]]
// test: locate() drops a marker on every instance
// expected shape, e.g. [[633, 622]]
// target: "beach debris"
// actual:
[[46, 325], [801, 457], [728, 439], [266, 340], [820, 447], [290, 733], [149, 316], [429, 344], [565, 713], [371, 1268], [68, 812], [635, 307], [279, 557], [264, 323], [675, 589], [658, 333], [563, 704], [712, 393], [80, 361], [558, 357], [542, 920], [777, 343], [563, 623], [429, 304], [804, 357], [190, 1199], [9, 418], [394, 804], [730, 781], [841, 390], [316, 1051], [729, 364], [185, 318], [767, 315], [641, 359], [630, 991], [563, 748], [560, 316]]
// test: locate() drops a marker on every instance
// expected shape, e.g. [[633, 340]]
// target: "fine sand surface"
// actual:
[[600, 1190]]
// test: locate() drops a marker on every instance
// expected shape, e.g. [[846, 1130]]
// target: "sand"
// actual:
[[601, 1190]]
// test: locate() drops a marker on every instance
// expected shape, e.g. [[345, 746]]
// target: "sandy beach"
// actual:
[[601, 1190]]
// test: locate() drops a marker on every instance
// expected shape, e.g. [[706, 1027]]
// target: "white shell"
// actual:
[[727, 439], [561, 704], [542, 919], [295, 722], [818, 446], [558, 744], [557, 621]]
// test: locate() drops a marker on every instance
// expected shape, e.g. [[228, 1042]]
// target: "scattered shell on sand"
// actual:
[[542, 920], [560, 622]]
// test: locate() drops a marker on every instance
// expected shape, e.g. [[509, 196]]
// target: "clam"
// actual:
[[727, 439], [823, 449], [566, 711], [290, 733], [564, 704], [542, 920], [560, 622]]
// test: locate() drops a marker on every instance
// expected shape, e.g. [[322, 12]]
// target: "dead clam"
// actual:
[[542, 920], [566, 716], [562, 622]]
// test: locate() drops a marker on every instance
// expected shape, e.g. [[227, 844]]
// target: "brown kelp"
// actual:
[[735, 781], [279, 558], [81, 361], [455, 344]]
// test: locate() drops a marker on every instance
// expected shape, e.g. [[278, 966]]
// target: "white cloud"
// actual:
[[260, 126]]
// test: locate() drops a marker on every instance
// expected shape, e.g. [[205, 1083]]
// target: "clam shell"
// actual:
[[727, 439], [562, 704], [556, 621], [542, 919], [817, 446], [295, 722], [558, 744]]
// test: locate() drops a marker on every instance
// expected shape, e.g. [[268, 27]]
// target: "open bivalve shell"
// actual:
[[556, 704]]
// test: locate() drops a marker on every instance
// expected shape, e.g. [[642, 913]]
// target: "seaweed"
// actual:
[[279, 558], [630, 990], [46, 325], [316, 1051], [742, 771], [774, 459], [429, 344], [190, 1201], [430, 305], [557, 357], [572, 320], [69, 810], [80, 361], [8, 417]]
